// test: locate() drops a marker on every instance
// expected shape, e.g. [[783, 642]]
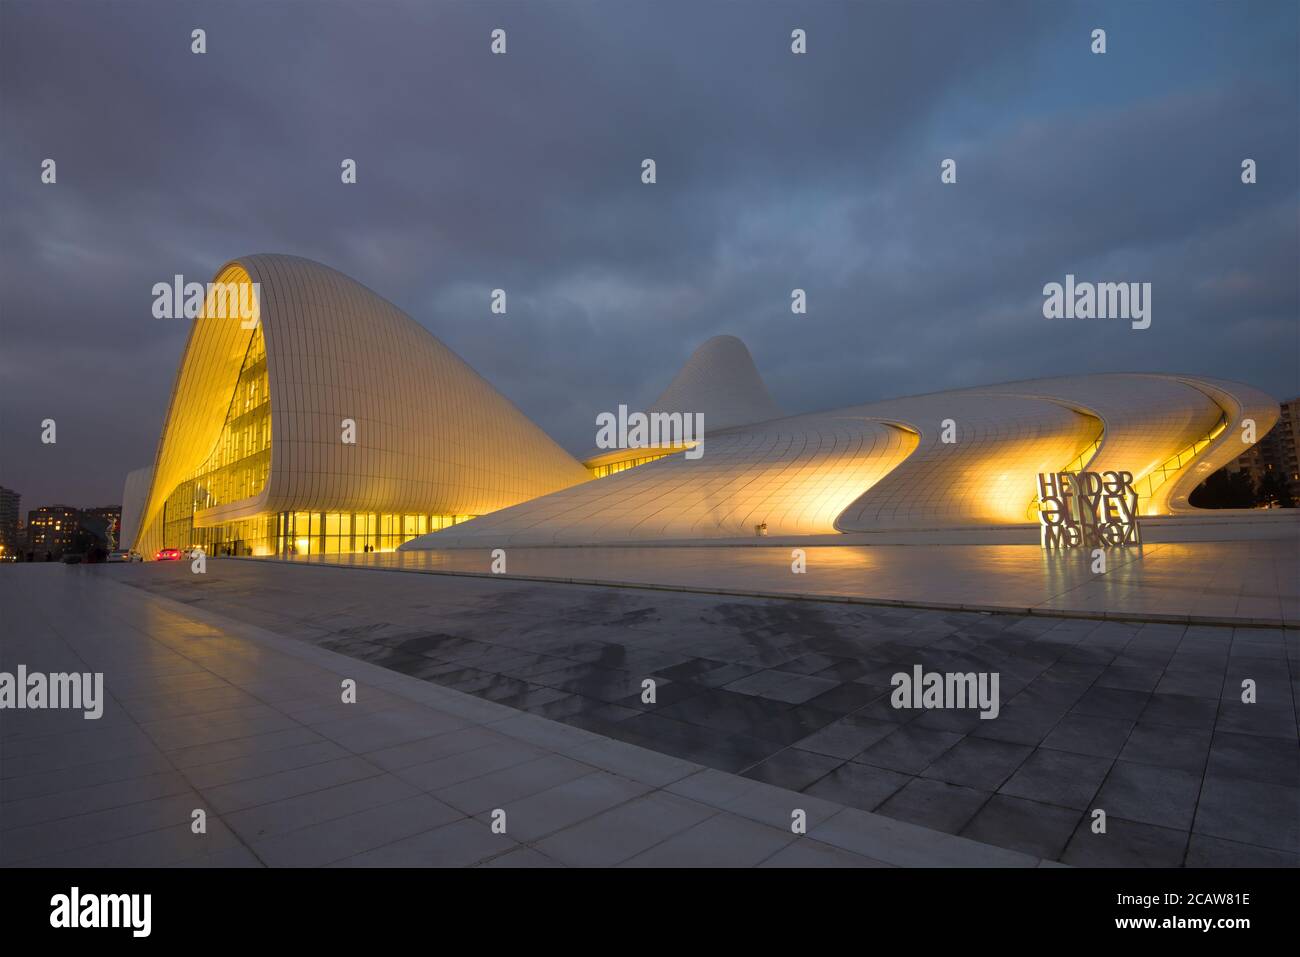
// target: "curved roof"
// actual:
[[796, 475], [721, 381], [1242, 405], [432, 435], [1006, 432], [894, 464]]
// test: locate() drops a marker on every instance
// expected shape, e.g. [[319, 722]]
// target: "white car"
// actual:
[[125, 555]]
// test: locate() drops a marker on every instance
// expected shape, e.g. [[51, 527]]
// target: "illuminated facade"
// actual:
[[332, 423], [965, 459], [329, 422]]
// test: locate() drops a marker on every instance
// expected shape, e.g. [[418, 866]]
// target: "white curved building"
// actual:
[[966, 459], [330, 422]]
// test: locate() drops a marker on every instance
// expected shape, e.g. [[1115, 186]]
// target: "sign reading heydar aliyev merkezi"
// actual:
[[1087, 509]]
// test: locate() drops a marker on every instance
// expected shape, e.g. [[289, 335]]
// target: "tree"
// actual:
[[1273, 492], [1224, 489]]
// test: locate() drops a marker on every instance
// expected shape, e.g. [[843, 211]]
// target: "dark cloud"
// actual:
[[522, 172]]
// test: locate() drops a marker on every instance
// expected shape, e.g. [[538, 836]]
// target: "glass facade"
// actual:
[[600, 471], [238, 465], [340, 533], [293, 534], [237, 470], [1157, 477]]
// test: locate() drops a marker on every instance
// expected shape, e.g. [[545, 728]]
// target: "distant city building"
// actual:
[[1276, 452], [53, 529], [10, 539]]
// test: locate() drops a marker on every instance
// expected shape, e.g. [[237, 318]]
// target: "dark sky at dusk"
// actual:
[[522, 171]]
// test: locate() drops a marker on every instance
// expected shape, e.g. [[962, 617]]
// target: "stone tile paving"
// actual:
[[206, 712], [1142, 720], [1191, 582]]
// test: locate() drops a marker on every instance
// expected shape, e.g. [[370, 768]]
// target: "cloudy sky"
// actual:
[[522, 172]]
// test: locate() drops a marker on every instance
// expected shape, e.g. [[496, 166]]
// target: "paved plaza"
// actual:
[[1194, 582], [1142, 720], [208, 713]]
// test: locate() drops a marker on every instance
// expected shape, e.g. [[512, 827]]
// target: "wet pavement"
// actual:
[[1143, 721], [1209, 582]]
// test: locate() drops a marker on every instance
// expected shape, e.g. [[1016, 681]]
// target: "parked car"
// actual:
[[125, 555], [168, 555], [73, 558]]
